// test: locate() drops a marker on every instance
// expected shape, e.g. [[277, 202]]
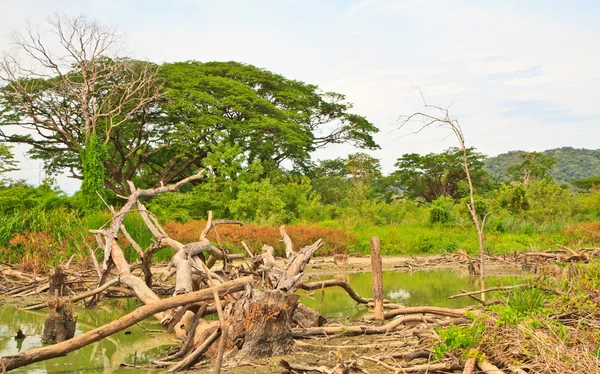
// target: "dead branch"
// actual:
[[40, 354], [311, 286], [80, 296]]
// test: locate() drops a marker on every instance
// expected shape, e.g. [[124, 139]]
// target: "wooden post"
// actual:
[[377, 277]]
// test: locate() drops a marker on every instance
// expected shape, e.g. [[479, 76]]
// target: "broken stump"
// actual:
[[59, 325]]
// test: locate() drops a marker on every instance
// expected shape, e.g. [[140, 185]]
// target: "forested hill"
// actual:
[[571, 163]]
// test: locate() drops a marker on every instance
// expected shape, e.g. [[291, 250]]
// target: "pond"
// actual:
[[431, 287], [410, 289], [101, 357]]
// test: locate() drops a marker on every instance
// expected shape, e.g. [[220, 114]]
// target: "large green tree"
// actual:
[[70, 90], [203, 107], [269, 118], [535, 166], [435, 175]]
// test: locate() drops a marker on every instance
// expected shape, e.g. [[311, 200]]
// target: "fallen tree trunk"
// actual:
[[358, 330], [40, 354], [448, 312]]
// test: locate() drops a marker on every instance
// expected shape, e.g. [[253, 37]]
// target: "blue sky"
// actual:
[[520, 74]]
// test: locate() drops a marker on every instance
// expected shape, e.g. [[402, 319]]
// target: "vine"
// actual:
[[92, 161]]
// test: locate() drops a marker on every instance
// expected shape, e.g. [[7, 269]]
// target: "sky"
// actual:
[[516, 74]]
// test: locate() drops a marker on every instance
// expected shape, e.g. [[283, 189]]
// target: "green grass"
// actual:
[[425, 238]]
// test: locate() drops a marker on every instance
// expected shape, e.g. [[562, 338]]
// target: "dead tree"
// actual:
[[438, 116], [257, 313], [59, 325]]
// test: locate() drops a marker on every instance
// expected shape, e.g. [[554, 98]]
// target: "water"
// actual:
[[410, 289], [101, 357]]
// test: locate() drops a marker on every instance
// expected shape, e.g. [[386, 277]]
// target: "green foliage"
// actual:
[[92, 187], [434, 175], [571, 164], [587, 183], [441, 210], [527, 300], [7, 161], [535, 166], [458, 339], [271, 120], [513, 198]]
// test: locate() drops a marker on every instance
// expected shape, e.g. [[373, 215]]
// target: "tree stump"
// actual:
[[261, 324], [59, 325], [377, 277], [306, 317]]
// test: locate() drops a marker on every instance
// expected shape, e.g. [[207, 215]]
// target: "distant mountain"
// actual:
[[571, 163]]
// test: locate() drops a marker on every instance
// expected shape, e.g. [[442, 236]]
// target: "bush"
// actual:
[[441, 210]]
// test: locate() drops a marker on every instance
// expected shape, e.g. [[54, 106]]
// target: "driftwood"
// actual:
[[40, 354], [447, 312], [259, 314], [82, 296]]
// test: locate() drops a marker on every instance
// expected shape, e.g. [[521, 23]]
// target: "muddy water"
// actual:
[[102, 357], [410, 289]]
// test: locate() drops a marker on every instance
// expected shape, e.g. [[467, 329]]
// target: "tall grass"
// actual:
[[39, 237]]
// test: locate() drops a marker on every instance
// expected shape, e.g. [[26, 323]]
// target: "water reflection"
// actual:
[[104, 356], [410, 289]]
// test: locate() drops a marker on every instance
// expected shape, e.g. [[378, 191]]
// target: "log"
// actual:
[[470, 365], [448, 312], [193, 357], [377, 278], [59, 325], [306, 317], [487, 290], [40, 354], [488, 368], [358, 330]]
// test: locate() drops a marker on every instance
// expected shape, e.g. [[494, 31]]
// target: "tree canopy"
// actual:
[[435, 175], [535, 166], [7, 161], [199, 109]]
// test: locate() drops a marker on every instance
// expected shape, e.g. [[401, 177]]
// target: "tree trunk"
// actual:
[[261, 324], [377, 278], [59, 325]]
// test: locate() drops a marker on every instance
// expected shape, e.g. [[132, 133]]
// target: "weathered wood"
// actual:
[[80, 296], [59, 325], [306, 317], [40, 354], [294, 270], [358, 330], [289, 246], [448, 312], [195, 355], [488, 290], [261, 321], [488, 368], [311, 286], [470, 365], [377, 277]]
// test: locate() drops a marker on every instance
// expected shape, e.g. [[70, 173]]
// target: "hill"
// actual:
[[571, 163]]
